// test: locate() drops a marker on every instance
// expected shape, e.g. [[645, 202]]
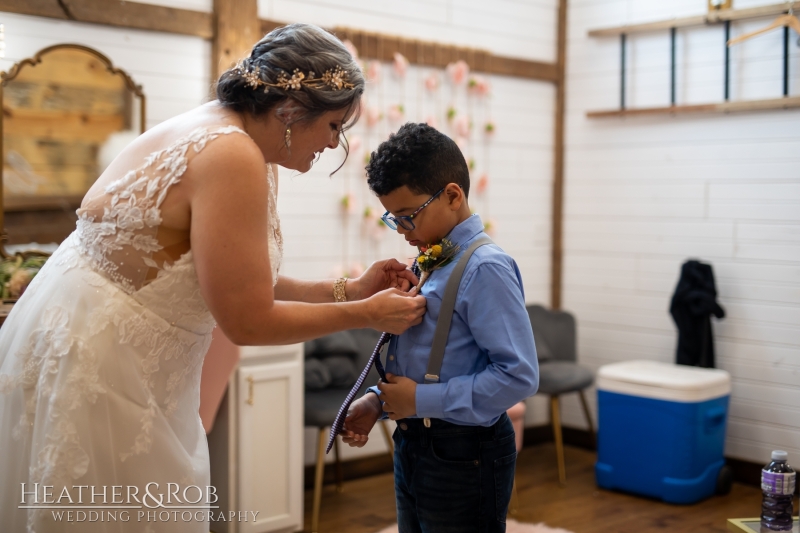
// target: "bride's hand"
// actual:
[[381, 275], [394, 311]]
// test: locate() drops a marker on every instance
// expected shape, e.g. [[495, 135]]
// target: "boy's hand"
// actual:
[[399, 395], [360, 419]]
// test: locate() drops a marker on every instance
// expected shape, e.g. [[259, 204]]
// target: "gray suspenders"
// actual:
[[446, 312], [446, 316]]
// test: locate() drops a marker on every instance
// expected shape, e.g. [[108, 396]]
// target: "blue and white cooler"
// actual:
[[662, 430]]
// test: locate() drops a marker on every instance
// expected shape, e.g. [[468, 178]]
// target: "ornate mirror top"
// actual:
[[67, 112]]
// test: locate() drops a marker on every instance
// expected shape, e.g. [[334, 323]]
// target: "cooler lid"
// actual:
[[664, 381]]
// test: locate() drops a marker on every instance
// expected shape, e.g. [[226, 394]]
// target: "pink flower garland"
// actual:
[[463, 126], [400, 65], [458, 71], [432, 82], [374, 71], [479, 85]]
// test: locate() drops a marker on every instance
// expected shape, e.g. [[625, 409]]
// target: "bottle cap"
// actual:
[[780, 455]]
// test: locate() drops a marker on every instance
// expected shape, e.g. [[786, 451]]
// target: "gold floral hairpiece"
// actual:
[[335, 78]]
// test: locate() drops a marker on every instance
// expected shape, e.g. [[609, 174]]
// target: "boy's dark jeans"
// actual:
[[451, 478]]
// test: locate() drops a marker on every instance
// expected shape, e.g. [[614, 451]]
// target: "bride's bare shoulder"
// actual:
[[219, 131], [228, 154]]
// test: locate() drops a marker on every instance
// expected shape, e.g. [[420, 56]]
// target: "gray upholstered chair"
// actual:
[[555, 336], [322, 406]]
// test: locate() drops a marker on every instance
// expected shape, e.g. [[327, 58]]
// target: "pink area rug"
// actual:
[[512, 526]]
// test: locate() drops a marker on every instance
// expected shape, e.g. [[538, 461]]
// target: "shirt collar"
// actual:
[[466, 230]]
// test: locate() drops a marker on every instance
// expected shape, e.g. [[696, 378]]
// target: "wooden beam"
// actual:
[[790, 102], [714, 17], [269, 25], [557, 249], [39, 8], [119, 14], [432, 54], [237, 30]]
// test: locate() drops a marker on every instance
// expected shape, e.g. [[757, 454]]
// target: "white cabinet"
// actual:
[[256, 445]]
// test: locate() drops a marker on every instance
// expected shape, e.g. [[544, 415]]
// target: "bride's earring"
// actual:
[[288, 137]]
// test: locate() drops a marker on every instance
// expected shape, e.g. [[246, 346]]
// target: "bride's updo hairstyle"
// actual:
[[300, 71]]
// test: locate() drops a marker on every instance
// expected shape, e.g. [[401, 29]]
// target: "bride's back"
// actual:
[[135, 219]]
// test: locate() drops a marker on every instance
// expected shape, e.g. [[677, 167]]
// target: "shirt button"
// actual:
[[391, 358], [403, 426]]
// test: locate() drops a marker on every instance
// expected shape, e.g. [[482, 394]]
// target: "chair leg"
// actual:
[[318, 480], [388, 438], [556, 418], [588, 418], [338, 461]]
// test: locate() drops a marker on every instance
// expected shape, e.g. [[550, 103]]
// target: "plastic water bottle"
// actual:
[[778, 480]]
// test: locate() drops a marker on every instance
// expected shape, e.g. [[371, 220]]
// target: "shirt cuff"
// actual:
[[429, 400]]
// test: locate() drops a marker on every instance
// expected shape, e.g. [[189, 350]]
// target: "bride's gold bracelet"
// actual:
[[339, 294]]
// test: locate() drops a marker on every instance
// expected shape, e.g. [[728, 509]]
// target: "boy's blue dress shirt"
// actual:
[[490, 359]]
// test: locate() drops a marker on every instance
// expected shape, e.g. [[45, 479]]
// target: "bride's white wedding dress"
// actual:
[[100, 366]]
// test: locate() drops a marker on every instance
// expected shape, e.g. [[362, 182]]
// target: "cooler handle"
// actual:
[[714, 417]]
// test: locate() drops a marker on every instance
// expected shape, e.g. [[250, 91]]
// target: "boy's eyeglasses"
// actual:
[[405, 222]]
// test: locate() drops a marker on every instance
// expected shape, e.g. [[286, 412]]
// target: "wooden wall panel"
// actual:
[[432, 54], [39, 8], [120, 14], [237, 29], [57, 115], [556, 259], [141, 16]]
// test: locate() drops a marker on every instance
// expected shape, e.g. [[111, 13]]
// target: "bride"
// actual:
[[100, 359]]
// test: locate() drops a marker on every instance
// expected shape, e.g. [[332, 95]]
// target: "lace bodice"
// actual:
[[119, 235]]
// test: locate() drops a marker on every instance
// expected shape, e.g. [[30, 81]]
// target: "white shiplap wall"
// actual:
[[519, 155], [174, 72], [645, 194]]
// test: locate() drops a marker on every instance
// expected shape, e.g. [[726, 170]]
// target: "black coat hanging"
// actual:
[[693, 303]]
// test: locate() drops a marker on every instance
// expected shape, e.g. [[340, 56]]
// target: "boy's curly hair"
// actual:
[[419, 157]]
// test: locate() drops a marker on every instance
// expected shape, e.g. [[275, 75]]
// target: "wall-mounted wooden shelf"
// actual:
[[714, 17], [723, 107], [725, 17]]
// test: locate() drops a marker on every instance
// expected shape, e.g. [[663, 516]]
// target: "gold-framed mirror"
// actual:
[[66, 112]]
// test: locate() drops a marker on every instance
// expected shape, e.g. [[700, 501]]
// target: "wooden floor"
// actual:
[[367, 505]]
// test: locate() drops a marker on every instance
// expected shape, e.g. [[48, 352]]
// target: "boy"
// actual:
[[454, 447]]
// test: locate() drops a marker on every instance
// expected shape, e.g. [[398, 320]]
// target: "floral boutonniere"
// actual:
[[434, 256]]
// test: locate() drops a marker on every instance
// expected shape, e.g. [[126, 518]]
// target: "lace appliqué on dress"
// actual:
[[128, 227], [62, 457], [275, 235], [160, 344]]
